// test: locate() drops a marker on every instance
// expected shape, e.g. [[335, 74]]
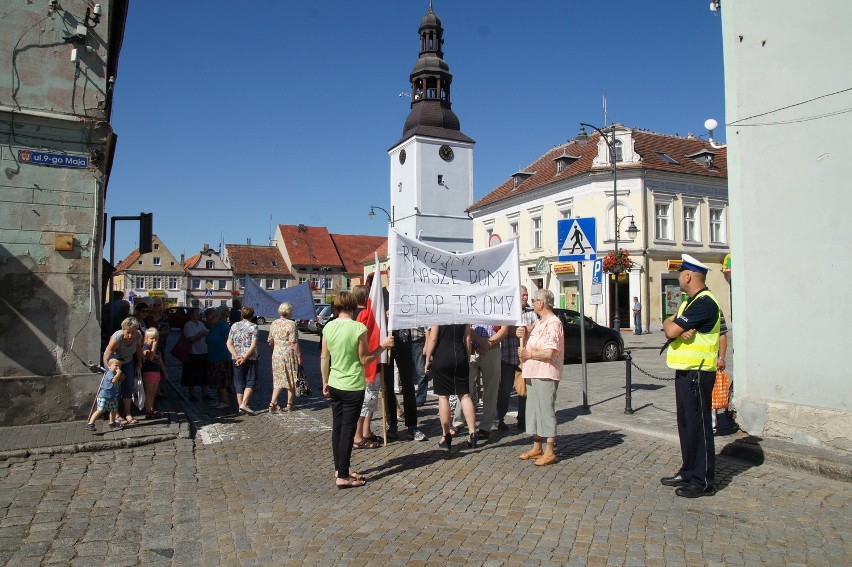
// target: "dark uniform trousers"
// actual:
[[695, 427], [402, 355]]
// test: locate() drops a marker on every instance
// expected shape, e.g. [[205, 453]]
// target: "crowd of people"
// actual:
[[468, 364]]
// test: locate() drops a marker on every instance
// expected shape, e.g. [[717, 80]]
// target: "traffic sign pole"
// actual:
[[583, 337]]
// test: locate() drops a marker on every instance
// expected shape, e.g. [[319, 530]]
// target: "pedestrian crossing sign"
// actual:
[[576, 238]]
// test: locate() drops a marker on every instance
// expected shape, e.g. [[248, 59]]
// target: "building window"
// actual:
[[173, 282], [156, 282], [536, 232], [618, 151], [209, 264], [270, 283], [565, 213], [282, 284], [242, 283], [140, 282], [690, 223], [662, 224], [223, 284], [156, 246], [196, 303], [156, 260], [208, 303], [302, 280], [196, 283], [717, 226], [223, 302], [513, 228]]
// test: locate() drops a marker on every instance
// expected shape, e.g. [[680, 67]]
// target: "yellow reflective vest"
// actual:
[[701, 351]]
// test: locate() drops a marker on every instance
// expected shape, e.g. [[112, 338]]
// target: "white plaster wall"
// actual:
[[789, 175]]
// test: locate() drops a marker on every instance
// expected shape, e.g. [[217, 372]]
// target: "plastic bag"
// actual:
[[303, 389], [721, 389], [139, 391]]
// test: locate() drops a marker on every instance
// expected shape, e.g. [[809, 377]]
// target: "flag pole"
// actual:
[[384, 412]]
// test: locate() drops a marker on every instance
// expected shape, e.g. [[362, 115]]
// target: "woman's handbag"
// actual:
[[303, 389], [138, 391], [721, 389], [520, 384], [182, 348]]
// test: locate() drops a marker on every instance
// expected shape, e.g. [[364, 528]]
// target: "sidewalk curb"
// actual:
[[92, 446], [812, 460]]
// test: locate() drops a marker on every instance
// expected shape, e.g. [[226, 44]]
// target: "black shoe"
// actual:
[[482, 434], [692, 491], [501, 425], [392, 432], [676, 480], [446, 442], [471, 440]]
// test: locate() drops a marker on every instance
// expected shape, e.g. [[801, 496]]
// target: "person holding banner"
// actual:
[[447, 354], [344, 354], [542, 360]]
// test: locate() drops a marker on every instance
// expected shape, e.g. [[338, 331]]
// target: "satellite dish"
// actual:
[[710, 124]]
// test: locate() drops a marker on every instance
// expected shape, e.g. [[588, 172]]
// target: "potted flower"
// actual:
[[617, 262]]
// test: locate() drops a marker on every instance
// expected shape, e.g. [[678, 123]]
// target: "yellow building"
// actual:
[[673, 188]]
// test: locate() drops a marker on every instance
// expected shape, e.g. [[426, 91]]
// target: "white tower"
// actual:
[[431, 166]]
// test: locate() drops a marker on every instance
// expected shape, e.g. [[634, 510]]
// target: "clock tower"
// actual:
[[431, 166]]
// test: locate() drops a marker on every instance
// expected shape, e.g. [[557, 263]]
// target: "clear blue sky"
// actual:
[[228, 113]]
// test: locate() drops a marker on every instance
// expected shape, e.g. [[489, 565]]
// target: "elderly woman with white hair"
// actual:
[[541, 359], [286, 357]]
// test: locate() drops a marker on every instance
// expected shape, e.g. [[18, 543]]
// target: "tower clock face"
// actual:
[[446, 152], [401, 157]]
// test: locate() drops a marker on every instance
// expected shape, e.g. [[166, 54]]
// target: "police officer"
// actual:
[[694, 346]]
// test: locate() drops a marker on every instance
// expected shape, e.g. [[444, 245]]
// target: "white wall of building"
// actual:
[[789, 184]]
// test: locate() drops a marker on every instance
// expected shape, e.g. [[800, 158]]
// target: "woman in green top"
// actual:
[[344, 354]]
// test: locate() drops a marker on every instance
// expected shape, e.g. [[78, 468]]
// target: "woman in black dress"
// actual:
[[447, 354]]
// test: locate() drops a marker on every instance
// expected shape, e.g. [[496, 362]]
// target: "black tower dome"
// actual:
[[431, 110]]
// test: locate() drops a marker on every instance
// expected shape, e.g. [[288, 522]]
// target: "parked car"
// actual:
[[304, 324], [177, 316], [601, 341], [323, 317]]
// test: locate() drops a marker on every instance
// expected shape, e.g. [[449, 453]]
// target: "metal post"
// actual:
[[616, 319], [628, 386], [582, 302]]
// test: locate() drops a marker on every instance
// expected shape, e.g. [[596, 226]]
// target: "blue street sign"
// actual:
[[56, 160], [576, 239], [597, 273]]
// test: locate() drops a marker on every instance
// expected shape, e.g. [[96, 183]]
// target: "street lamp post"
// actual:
[[581, 139], [372, 213]]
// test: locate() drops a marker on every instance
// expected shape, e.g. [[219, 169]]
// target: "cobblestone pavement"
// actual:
[[260, 491]]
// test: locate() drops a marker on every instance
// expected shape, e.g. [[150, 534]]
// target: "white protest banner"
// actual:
[[430, 286], [265, 304]]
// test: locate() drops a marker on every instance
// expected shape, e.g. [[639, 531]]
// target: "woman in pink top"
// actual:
[[541, 359]]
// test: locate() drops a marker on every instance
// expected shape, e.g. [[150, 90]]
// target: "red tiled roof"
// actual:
[[352, 248], [261, 260], [192, 261], [309, 246], [646, 144], [370, 258], [131, 259]]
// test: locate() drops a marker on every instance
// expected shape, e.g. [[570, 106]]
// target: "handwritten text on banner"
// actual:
[[430, 286]]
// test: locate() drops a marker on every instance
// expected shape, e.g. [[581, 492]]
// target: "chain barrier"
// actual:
[[646, 373]]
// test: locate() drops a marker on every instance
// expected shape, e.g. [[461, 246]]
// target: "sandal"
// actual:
[[120, 421], [274, 407], [291, 407], [153, 415], [130, 421], [349, 483], [367, 444], [375, 438]]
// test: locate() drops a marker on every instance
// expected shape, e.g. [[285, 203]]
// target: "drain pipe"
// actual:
[[646, 301]]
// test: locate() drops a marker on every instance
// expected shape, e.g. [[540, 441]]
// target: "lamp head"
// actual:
[[372, 213]]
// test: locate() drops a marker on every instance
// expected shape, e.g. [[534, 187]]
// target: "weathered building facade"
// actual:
[[58, 66]]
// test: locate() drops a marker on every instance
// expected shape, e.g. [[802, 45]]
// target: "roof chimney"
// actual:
[[206, 247], [248, 241]]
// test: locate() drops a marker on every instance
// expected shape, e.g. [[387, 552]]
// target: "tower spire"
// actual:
[[431, 105]]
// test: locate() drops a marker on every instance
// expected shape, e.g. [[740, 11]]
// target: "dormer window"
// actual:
[[521, 176], [274, 262], [617, 150], [704, 157], [253, 262], [564, 161]]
